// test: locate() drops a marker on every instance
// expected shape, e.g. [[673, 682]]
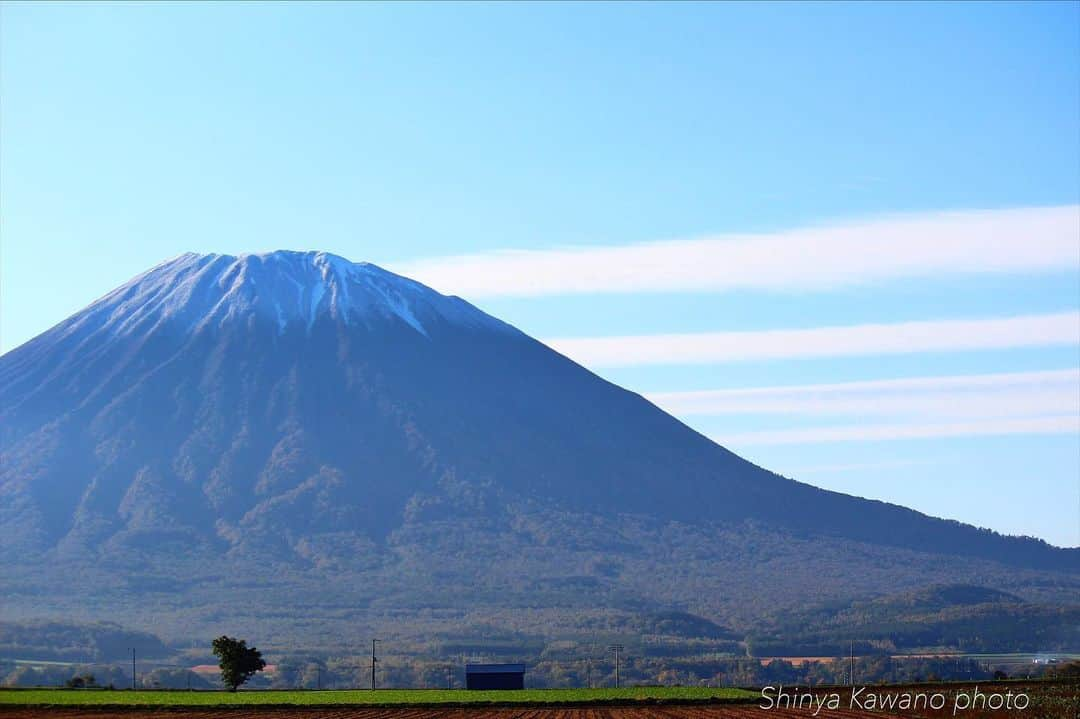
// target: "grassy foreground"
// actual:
[[360, 697]]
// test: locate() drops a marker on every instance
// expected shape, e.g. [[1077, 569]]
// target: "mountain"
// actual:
[[334, 434]]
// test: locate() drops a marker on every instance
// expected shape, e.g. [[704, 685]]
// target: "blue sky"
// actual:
[[679, 169]]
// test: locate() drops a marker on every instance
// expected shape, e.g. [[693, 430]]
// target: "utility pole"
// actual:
[[373, 660], [851, 654], [133, 669], [449, 677], [318, 677], [616, 648], [588, 672]]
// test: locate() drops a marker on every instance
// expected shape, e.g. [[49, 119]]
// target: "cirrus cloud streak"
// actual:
[[1018, 240], [950, 335], [1061, 424], [1016, 394]]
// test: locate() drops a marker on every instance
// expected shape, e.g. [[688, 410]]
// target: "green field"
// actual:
[[155, 698]]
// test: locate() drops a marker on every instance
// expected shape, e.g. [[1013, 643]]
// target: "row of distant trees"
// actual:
[[237, 660], [239, 663]]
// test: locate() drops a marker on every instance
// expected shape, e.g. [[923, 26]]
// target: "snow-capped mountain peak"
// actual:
[[291, 289]]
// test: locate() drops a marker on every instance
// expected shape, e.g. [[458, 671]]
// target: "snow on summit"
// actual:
[[293, 290]]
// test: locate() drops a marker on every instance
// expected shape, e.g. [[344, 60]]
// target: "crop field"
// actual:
[[609, 712], [735, 711], [1049, 700]]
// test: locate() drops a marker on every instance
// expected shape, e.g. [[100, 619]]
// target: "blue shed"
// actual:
[[494, 676]]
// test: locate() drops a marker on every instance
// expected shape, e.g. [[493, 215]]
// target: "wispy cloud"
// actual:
[[1016, 394], [855, 467], [853, 340], [1064, 424], [843, 254]]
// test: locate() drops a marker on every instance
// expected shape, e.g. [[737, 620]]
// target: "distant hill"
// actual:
[[955, 617], [76, 642], [259, 440]]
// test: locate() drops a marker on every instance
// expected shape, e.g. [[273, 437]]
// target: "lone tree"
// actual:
[[238, 661]]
